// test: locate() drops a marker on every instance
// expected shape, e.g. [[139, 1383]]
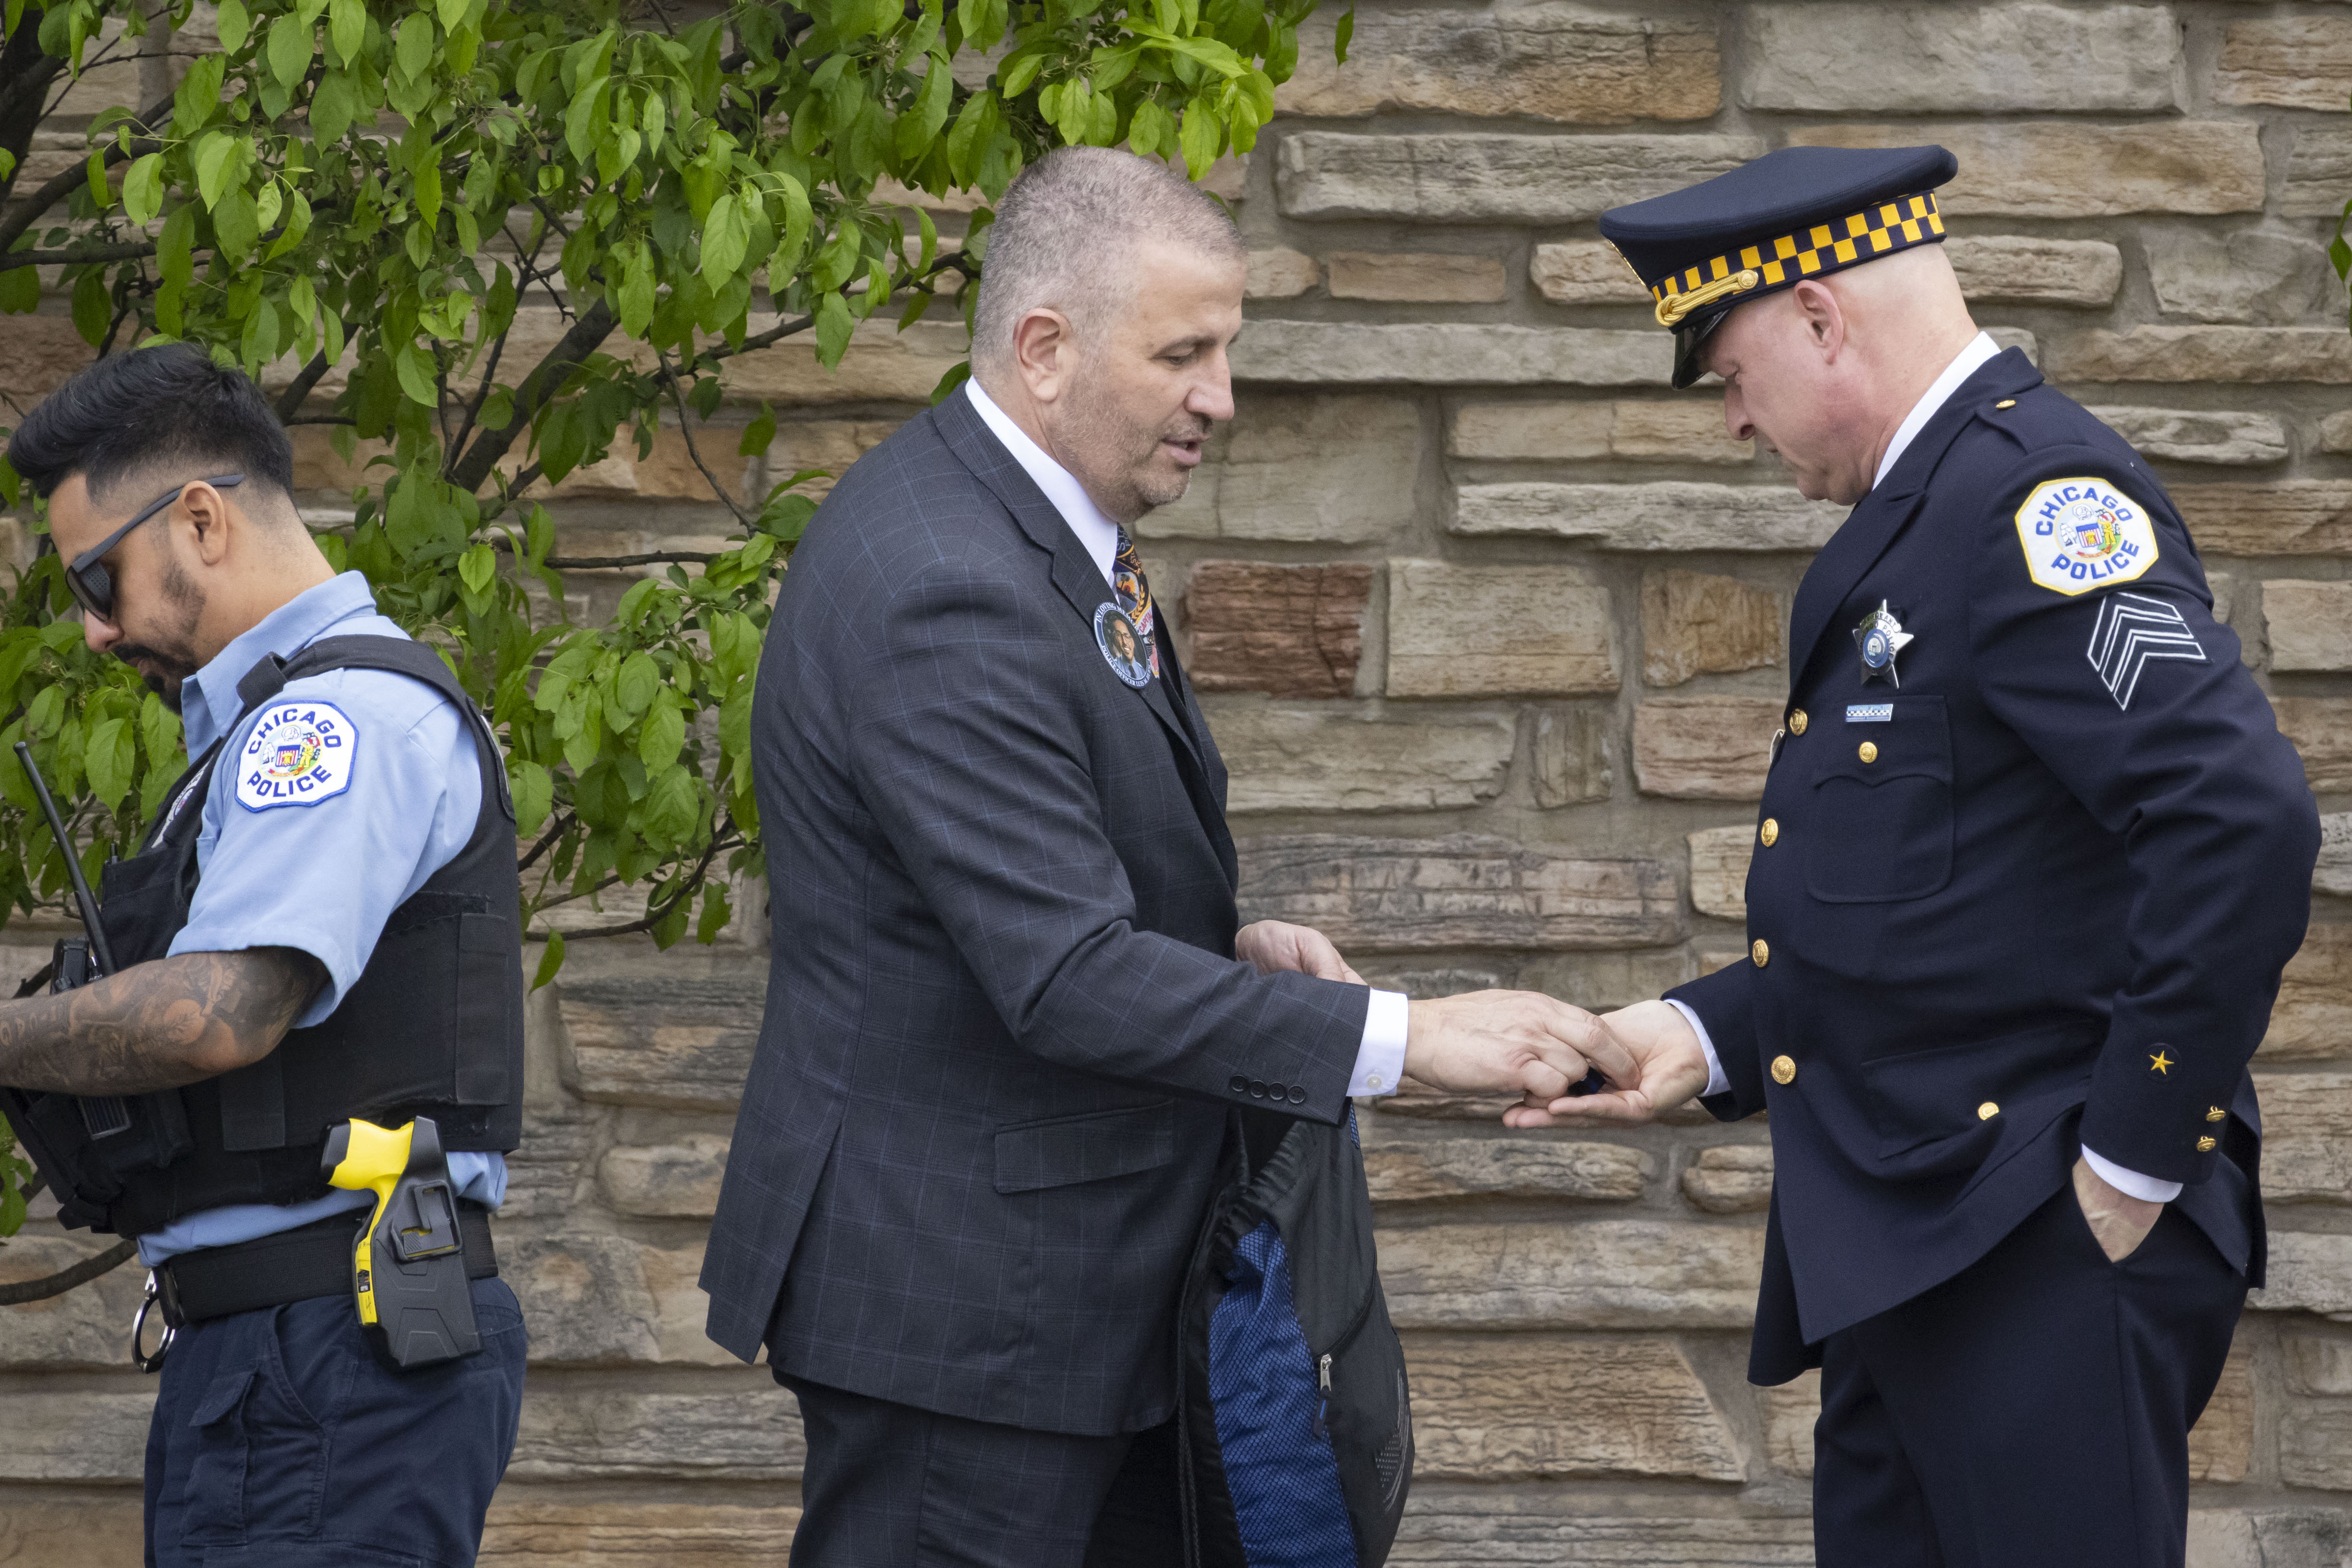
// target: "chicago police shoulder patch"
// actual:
[[298, 754], [2084, 533]]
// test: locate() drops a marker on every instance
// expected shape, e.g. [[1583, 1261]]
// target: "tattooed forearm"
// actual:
[[158, 1024]]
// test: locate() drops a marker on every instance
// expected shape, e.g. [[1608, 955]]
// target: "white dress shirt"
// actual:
[[1971, 359], [1381, 1058]]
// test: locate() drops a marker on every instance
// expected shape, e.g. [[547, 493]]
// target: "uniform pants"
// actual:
[[889, 1486], [2034, 1410], [278, 1441]]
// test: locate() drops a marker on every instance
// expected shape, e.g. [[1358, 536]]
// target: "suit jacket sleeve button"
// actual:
[[1257, 1088], [2214, 1113], [1987, 1111], [1298, 1095], [2205, 1145], [1239, 1085]]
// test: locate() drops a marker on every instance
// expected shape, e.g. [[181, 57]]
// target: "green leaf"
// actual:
[[635, 686], [232, 21], [758, 435], [160, 735], [725, 236], [833, 325], [347, 27], [1343, 35], [415, 377], [1200, 137], [211, 161], [413, 54], [143, 189], [479, 568], [20, 290], [291, 49], [93, 306], [534, 795], [110, 760], [549, 962], [334, 107], [661, 735]]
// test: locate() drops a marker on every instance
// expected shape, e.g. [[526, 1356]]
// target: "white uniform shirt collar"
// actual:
[[1970, 359], [209, 705], [1097, 533]]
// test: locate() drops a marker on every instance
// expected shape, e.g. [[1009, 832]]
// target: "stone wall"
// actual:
[[1494, 626]]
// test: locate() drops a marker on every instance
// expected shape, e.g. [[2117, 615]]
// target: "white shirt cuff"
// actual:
[[2131, 1184], [1380, 1060], [1716, 1083]]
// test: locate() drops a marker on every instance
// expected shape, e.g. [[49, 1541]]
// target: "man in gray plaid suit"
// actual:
[[1011, 1019]]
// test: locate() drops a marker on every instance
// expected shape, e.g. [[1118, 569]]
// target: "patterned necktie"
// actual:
[[1134, 594]]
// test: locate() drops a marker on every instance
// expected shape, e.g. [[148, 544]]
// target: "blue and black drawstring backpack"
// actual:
[[1296, 1428]]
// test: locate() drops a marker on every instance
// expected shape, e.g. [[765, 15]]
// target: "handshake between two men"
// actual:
[[1517, 1042]]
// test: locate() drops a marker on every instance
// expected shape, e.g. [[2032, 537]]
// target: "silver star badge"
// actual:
[[1879, 637]]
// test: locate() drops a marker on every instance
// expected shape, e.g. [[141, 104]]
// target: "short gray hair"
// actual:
[[1065, 228]]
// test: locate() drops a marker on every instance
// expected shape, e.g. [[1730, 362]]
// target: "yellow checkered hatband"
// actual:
[[1878, 230]]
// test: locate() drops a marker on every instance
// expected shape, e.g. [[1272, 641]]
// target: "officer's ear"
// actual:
[[1824, 322], [205, 514]]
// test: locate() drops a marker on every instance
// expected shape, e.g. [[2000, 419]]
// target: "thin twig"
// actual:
[[686, 428], [57, 1284], [555, 831], [473, 408]]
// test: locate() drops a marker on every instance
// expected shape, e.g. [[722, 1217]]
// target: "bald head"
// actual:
[[1824, 373]]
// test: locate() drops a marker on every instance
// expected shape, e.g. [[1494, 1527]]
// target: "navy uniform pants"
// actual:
[[888, 1486], [2034, 1410], [278, 1442]]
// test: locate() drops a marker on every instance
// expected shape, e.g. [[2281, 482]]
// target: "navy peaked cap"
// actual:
[[1798, 213]]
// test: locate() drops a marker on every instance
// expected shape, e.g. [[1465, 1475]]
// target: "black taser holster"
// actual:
[[408, 1263]]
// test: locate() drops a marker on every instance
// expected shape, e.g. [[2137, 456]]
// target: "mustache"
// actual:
[[1195, 428]]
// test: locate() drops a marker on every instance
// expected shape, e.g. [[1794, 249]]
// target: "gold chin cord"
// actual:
[[1675, 306]]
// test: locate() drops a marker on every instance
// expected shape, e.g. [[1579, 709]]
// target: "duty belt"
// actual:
[[297, 1265]]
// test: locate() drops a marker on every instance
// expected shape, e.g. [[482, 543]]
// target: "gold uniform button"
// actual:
[[2006, 403], [1797, 721], [2205, 1145], [1770, 832], [2214, 1113], [1761, 951], [1987, 1111], [1869, 753], [1784, 1071]]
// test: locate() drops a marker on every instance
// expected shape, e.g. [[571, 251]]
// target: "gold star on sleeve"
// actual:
[[2161, 1063]]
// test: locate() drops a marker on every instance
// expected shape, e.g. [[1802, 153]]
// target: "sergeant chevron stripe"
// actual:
[[2133, 628]]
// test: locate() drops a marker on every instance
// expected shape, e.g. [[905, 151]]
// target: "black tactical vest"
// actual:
[[433, 1026]]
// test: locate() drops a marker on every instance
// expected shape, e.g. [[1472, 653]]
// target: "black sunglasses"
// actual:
[[91, 587]]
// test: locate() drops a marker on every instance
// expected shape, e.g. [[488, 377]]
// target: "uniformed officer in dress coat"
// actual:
[[2031, 857]]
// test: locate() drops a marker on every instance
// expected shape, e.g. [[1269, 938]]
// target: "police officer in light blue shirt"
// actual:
[[322, 925]]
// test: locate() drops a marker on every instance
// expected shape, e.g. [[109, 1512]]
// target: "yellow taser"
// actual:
[[408, 1264]]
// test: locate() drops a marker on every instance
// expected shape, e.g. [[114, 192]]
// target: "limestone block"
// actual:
[[1416, 982], [1789, 1412], [2335, 432], [2268, 1538], [525, 1531], [2194, 435], [1424, 278], [1694, 623], [1491, 1527], [1584, 272], [2266, 279], [2316, 1445], [2294, 62], [2312, 1017], [2321, 354], [2319, 172], [2053, 168], [43, 349], [88, 1326], [1517, 1406], [2316, 1363], [680, 1180], [1281, 274], [1413, 1170], [2321, 729], [2310, 1271], [1704, 748], [2015, 337], [2307, 1137], [1549, 431], [1730, 1178], [2007, 58], [2334, 872], [1433, 353], [602, 1299], [2221, 1444], [1555, 62], [1686, 430], [544, 1175], [883, 365], [2310, 623], [1471, 177], [2292, 516], [2029, 269], [95, 1529], [678, 1032], [1498, 631], [742, 1429], [1669, 515], [1601, 1274], [1462, 890], [84, 1436], [1288, 757], [1573, 757], [1719, 871], [1292, 631], [1321, 468]]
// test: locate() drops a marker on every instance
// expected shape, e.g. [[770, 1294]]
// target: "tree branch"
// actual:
[[774, 334], [541, 384], [59, 186], [122, 250], [290, 403], [686, 428], [555, 831], [651, 918], [57, 1284]]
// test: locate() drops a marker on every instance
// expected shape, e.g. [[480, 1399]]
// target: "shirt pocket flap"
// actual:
[[1915, 741], [1089, 1148], [1918, 1097]]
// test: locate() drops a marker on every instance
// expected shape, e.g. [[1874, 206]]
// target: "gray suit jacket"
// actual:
[[1005, 1032]]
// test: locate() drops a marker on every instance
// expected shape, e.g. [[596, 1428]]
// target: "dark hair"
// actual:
[[150, 408]]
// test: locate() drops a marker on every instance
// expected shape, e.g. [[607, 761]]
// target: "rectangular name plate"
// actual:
[[1870, 712]]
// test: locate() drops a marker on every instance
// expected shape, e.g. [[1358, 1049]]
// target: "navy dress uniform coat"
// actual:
[[1006, 1033], [2037, 895]]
